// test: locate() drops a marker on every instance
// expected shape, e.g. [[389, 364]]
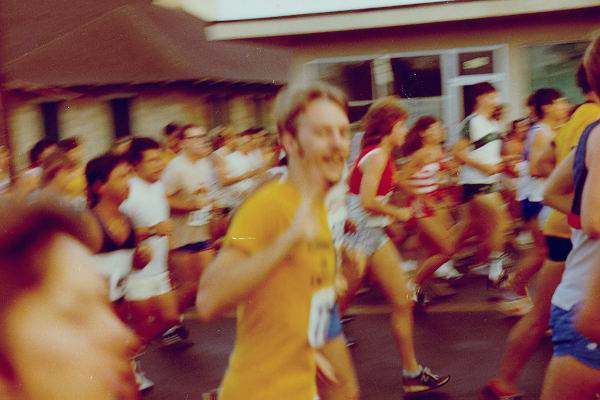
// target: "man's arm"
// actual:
[[558, 192], [590, 202], [234, 274]]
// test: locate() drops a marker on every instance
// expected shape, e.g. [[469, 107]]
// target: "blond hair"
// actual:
[[293, 100]]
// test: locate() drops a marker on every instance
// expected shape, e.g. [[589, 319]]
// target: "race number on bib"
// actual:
[[200, 217], [321, 306]]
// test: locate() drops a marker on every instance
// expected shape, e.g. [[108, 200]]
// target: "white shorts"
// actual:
[[143, 287]]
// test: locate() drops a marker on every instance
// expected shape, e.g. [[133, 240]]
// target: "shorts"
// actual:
[[558, 248], [568, 342], [335, 324], [530, 209], [143, 287], [195, 247], [368, 240], [470, 190]]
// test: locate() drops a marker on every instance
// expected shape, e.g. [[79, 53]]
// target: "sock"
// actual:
[[495, 265], [409, 374]]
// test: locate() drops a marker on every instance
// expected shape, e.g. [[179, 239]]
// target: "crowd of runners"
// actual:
[[286, 229]]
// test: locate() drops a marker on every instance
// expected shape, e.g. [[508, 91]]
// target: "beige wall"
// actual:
[[150, 112], [90, 121], [516, 33], [26, 126], [242, 113]]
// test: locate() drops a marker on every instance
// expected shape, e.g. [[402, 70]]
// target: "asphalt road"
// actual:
[[462, 335]]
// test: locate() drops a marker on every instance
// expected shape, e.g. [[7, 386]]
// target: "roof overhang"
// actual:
[[356, 19]]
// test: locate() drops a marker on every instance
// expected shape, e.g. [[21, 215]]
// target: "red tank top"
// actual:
[[386, 183]]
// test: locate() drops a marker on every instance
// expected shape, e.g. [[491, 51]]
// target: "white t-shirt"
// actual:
[[238, 164], [486, 146], [532, 187], [146, 206], [580, 268], [337, 212], [188, 176]]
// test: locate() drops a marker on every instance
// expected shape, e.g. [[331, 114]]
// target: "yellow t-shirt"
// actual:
[[77, 186], [273, 358], [566, 140]]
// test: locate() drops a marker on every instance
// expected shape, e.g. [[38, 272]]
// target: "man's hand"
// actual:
[[142, 256], [403, 214], [164, 228], [490, 169]]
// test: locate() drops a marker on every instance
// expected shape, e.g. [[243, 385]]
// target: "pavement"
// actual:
[[463, 336]]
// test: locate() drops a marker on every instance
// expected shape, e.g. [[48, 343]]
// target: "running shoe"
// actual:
[[498, 283], [175, 339], [517, 307], [425, 382], [448, 272], [142, 381]]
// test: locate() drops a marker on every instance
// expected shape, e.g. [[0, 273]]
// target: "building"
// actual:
[[112, 68], [428, 52]]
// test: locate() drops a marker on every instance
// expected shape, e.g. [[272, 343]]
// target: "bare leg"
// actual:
[[339, 356], [525, 336], [387, 270], [569, 379]]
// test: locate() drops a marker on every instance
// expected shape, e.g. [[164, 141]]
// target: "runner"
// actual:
[[574, 371], [153, 303], [528, 332], [113, 237], [60, 338], [371, 185], [277, 264], [422, 178], [479, 149], [190, 183]]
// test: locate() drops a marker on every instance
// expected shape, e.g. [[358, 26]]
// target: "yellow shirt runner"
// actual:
[[566, 140], [281, 322]]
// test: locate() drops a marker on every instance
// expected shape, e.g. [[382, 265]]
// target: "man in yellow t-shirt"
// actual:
[[527, 333], [277, 264]]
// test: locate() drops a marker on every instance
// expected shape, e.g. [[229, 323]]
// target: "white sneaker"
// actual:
[[448, 272], [517, 307], [409, 265], [524, 239], [140, 378]]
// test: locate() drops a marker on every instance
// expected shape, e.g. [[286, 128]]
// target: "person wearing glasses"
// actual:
[[190, 183]]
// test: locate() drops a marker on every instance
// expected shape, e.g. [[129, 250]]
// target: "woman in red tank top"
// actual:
[[371, 183], [421, 177]]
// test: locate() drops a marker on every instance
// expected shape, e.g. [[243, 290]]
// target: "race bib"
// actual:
[[200, 217], [321, 307]]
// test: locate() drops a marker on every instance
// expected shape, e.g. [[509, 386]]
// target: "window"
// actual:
[[417, 76], [50, 118], [220, 110], [355, 78], [555, 66], [121, 117]]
